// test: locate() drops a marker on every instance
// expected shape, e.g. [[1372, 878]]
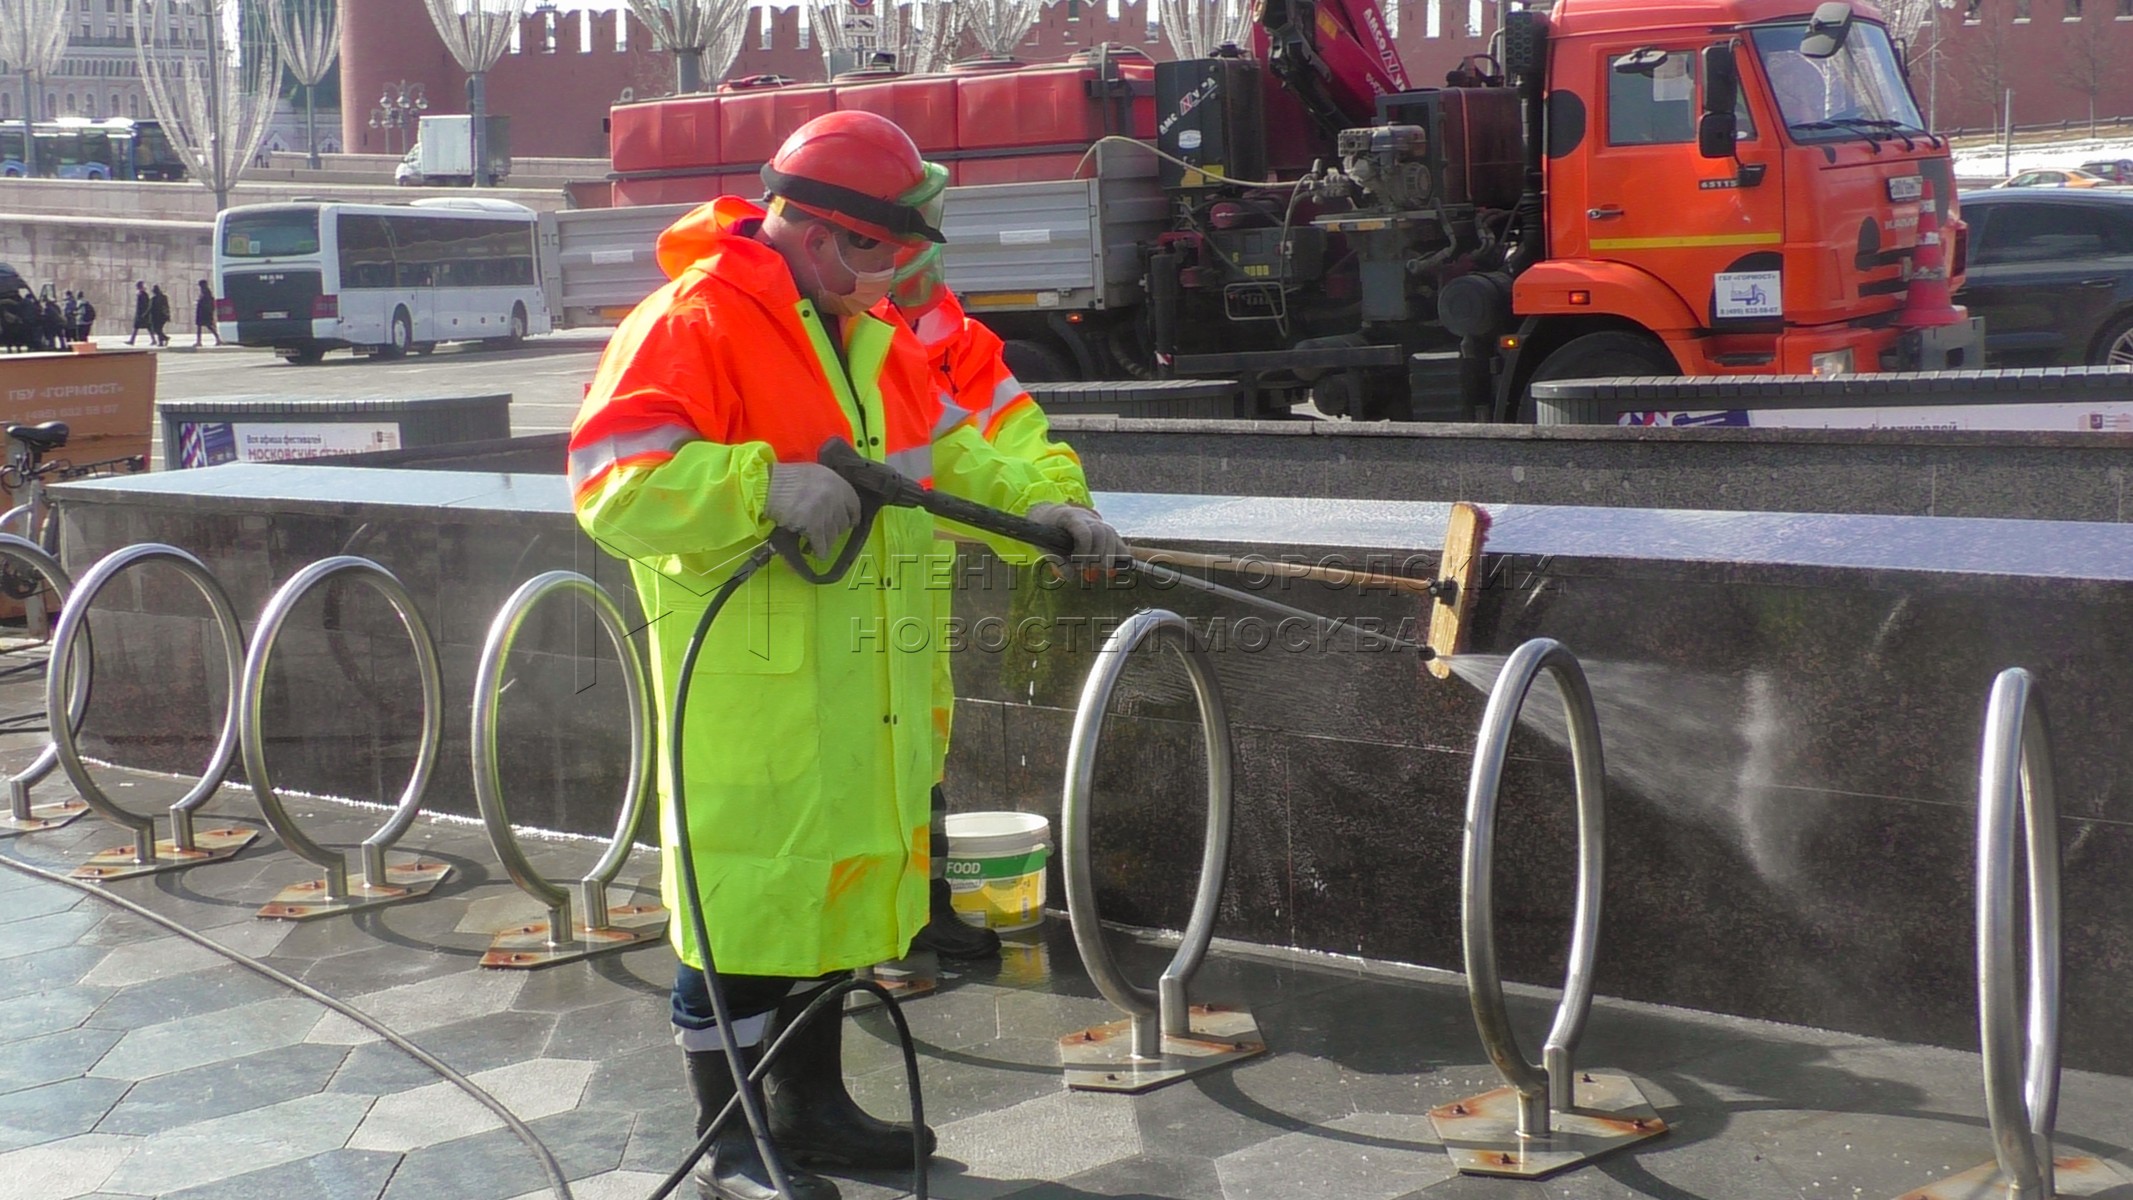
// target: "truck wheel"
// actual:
[[2115, 347], [517, 325], [1034, 362], [1598, 355]]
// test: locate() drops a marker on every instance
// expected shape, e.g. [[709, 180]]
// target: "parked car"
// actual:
[[2055, 179], [408, 171], [2052, 274], [2118, 171]]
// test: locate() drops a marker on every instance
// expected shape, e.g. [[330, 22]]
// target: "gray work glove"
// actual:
[[1097, 546], [814, 502]]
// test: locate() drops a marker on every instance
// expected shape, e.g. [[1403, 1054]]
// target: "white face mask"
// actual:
[[869, 288]]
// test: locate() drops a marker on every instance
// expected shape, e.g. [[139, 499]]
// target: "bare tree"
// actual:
[[1197, 28], [999, 25], [33, 38], [477, 32], [931, 35], [308, 34], [1982, 63], [211, 75], [701, 33], [2090, 63], [1906, 17], [919, 35]]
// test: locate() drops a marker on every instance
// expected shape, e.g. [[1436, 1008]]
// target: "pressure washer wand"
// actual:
[[880, 484]]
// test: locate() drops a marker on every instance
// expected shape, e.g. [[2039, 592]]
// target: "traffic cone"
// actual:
[[1927, 302]]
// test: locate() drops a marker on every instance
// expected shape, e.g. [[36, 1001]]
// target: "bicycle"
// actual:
[[24, 476]]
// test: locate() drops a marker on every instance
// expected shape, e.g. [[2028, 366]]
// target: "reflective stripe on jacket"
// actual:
[[808, 747]]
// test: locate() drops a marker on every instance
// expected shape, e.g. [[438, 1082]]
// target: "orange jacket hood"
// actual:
[[722, 230]]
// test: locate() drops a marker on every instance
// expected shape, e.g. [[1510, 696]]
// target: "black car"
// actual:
[[2052, 274]]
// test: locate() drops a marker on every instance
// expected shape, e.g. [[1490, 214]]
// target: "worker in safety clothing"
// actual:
[[969, 362], [808, 752]]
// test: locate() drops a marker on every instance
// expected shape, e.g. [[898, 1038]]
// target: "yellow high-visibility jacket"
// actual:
[[808, 751]]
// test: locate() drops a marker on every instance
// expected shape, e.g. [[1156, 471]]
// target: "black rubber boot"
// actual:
[[946, 935], [732, 1169], [813, 1118]]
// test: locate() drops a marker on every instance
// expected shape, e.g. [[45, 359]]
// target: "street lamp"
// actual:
[[398, 107]]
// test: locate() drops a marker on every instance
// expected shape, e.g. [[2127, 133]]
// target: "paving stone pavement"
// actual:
[[133, 1064]]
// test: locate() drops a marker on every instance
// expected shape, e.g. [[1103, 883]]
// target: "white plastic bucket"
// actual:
[[996, 868]]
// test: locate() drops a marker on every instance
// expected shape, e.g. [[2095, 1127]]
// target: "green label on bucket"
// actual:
[[1002, 867]]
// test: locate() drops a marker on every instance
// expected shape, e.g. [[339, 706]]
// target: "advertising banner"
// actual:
[[210, 443]]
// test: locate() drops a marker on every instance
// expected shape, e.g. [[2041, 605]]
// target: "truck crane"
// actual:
[[1623, 187]]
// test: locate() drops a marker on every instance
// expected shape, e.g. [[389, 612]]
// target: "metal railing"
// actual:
[[1544, 1121], [22, 815], [604, 927], [1166, 1036], [2021, 1085], [2020, 1058], [381, 884], [186, 846]]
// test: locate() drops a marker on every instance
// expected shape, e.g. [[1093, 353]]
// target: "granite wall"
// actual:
[[1911, 472], [1790, 708], [2053, 476]]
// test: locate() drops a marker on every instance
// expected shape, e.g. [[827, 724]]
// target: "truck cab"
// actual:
[[1737, 183]]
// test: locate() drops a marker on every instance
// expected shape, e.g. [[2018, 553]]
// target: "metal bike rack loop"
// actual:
[[1164, 1037], [2014, 783], [381, 883], [559, 938], [1552, 1116], [185, 847], [23, 816]]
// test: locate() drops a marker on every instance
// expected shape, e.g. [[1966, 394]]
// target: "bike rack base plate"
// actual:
[[525, 947], [209, 845], [916, 974], [307, 901], [1100, 1058], [1480, 1134], [2073, 1176], [42, 817]]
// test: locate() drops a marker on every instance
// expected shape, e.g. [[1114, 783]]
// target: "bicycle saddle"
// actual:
[[49, 436]]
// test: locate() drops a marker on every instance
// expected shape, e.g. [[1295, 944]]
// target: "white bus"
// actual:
[[307, 277]]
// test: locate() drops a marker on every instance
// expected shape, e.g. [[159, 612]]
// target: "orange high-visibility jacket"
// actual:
[[808, 747]]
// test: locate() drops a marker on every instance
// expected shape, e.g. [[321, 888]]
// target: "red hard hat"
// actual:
[[859, 170]]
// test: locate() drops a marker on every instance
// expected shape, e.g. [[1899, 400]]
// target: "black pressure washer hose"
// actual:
[[878, 485], [745, 1096], [551, 1170]]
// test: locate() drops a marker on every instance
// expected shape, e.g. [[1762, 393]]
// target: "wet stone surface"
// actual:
[[139, 1065]]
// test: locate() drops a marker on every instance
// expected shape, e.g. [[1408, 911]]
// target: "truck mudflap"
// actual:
[[1955, 347]]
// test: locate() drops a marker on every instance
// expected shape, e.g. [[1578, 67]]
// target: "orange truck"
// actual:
[[1626, 187]]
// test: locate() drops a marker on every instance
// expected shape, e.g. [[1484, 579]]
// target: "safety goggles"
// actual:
[[918, 283], [913, 217]]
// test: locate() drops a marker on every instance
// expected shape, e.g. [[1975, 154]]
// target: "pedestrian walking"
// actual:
[[86, 320], [204, 314], [53, 323], [140, 312], [158, 316]]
